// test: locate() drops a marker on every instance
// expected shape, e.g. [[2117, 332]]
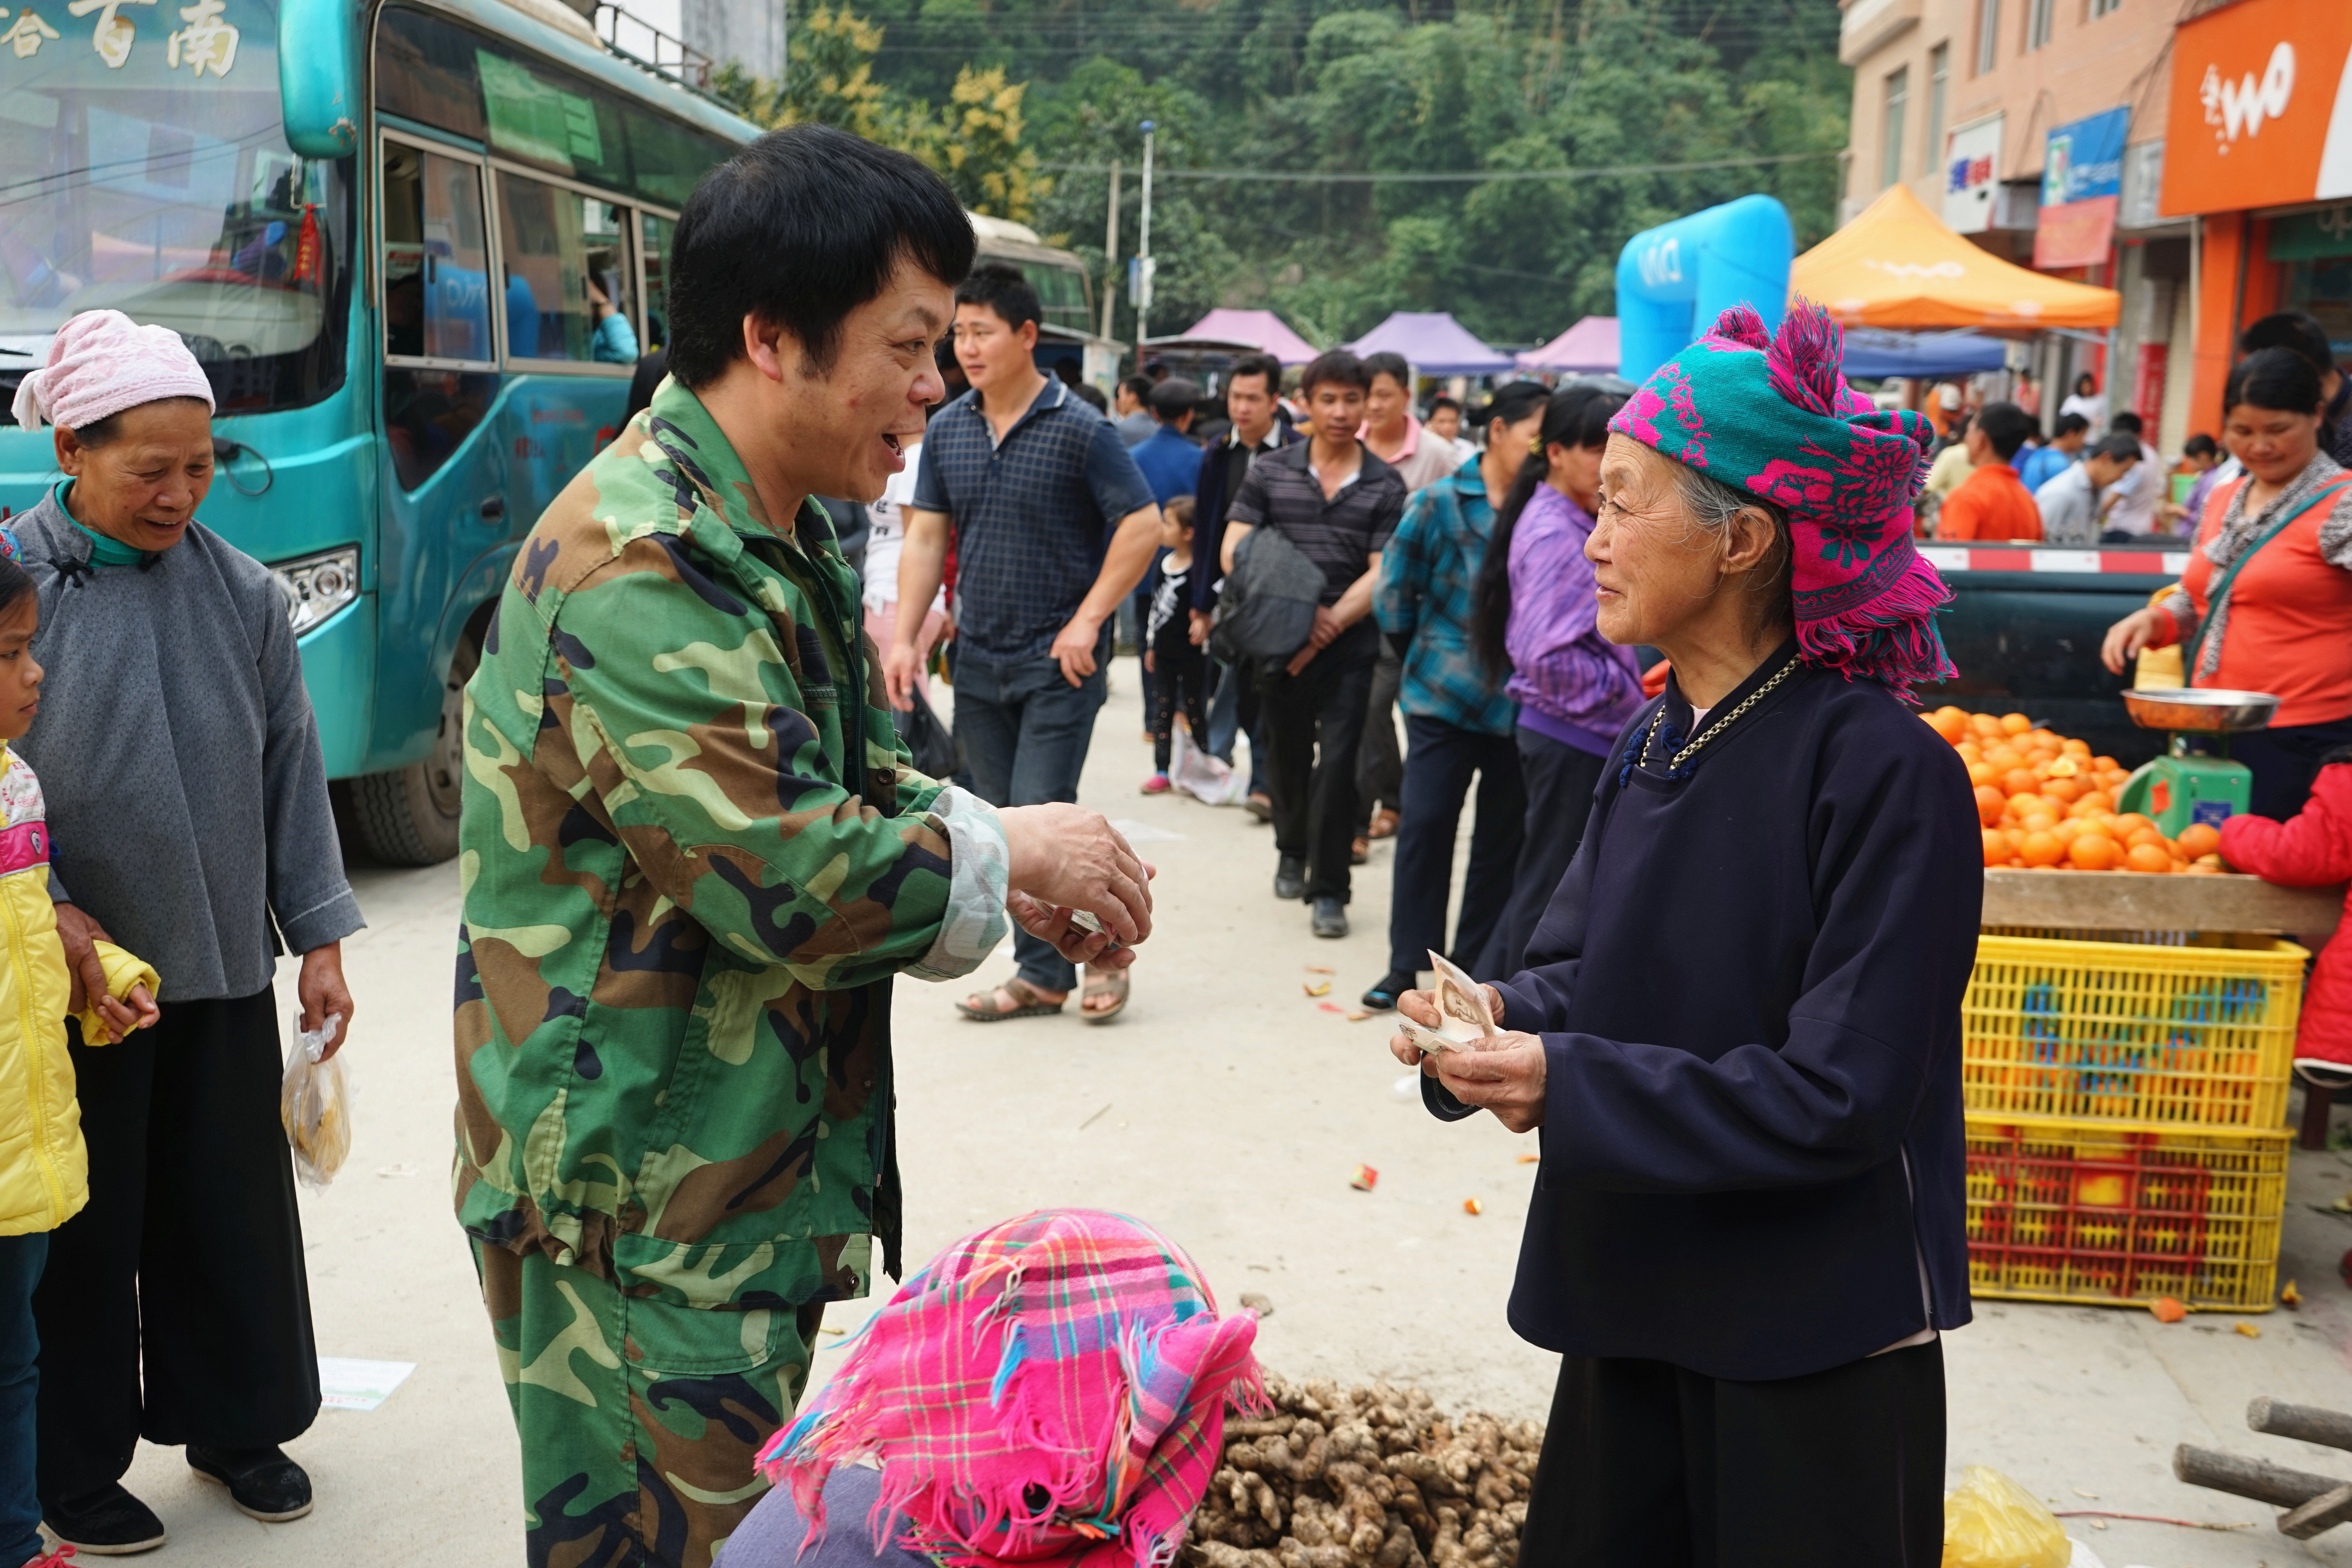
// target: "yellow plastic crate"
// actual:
[[2198, 1033], [2117, 1214]]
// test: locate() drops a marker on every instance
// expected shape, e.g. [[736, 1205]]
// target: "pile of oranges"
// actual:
[[2046, 803]]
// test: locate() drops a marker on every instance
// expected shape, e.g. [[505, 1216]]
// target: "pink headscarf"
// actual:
[[101, 362], [1049, 1391]]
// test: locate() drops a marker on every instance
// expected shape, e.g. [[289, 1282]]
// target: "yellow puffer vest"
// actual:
[[44, 1170]]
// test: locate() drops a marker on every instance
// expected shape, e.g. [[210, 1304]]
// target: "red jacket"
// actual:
[[2315, 850]]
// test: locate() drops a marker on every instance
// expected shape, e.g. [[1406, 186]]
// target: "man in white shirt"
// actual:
[[2133, 513], [2070, 503]]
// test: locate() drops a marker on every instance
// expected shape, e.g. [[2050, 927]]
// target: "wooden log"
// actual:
[[2256, 1478], [2324, 1511], [2134, 900], [2308, 1423]]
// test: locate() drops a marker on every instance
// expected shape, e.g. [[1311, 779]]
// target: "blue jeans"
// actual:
[[22, 1258], [1024, 732]]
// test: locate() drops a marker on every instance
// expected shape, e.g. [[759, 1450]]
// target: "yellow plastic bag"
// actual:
[[1991, 1522]]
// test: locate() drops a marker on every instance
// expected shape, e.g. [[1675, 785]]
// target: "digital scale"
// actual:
[[2195, 780]]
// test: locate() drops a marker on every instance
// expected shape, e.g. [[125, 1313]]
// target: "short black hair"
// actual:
[[2275, 378], [2006, 426], [2115, 445], [1093, 394], [1442, 401], [1140, 385], [1265, 365], [2125, 420], [800, 228], [14, 584], [2070, 423], [1003, 288], [1395, 366], [2200, 446], [1334, 364], [1173, 398], [2291, 329]]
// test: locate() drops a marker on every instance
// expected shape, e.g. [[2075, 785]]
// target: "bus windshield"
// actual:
[[149, 173]]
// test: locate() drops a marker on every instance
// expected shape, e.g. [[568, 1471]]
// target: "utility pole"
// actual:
[[1143, 251], [1111, 252]]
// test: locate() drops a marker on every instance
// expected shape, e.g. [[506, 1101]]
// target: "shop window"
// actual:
[[1939, 72], [569, 291], [1898, 105]]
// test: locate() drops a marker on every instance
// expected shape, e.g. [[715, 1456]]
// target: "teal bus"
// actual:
[[417, 246]]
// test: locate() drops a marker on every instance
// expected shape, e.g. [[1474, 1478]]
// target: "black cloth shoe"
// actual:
[[1383, 995], [1330, 917], [1290, 878], [111, 1523], [263, 1482]]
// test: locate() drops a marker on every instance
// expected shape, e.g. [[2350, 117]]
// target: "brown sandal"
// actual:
[[1026, 1004], [1103, 983], [1384, 823]]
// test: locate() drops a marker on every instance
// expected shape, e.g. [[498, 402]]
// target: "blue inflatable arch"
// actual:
[[1675, 279]]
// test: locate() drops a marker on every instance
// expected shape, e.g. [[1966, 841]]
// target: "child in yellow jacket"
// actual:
[[44, 1170]]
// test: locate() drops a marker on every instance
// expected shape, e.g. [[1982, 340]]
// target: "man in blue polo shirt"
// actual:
[[1054, 524]]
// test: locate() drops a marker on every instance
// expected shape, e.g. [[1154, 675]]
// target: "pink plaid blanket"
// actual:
[[1049, 1391]]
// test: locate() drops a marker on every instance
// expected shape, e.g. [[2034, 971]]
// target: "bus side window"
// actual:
[[570, 288], [656, 232], [437, 309], [612, 283]]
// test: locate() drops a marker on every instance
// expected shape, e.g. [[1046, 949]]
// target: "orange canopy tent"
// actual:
[[1896, 265]]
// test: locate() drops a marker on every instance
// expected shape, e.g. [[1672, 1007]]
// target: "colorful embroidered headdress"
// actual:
[[1050, 1391], [1772, 414]]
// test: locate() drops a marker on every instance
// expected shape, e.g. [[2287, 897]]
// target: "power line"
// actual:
[[1458, 176]]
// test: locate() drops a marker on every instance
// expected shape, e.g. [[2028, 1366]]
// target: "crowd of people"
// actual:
[[2093, 476], [1721, 917]]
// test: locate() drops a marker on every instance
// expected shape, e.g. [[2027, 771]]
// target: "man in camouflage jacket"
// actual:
[[683, 909]]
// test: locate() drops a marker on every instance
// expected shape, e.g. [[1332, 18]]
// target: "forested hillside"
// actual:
[[1024, 104]]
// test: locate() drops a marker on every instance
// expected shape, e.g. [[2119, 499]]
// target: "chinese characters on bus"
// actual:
[[205, 43]]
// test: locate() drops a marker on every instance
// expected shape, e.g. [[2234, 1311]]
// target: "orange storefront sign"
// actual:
[[2262, 107]]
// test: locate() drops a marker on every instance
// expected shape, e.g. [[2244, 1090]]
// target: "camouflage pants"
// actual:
[[639, 1419]]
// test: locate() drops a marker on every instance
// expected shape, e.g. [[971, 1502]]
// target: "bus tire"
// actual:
[[408, 817]]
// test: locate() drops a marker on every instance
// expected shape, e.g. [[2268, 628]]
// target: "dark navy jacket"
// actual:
[[1748, 989]]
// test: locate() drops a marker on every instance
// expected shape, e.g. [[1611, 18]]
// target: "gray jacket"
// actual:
[[188, 800]]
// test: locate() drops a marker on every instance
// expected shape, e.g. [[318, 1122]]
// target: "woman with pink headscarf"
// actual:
[[189, 815], [1050, 1391], [1738, 1024]]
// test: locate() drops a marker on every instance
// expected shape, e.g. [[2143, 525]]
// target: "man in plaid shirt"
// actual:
[[1457, 720]]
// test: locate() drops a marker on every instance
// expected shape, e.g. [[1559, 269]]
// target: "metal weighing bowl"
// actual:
[[2210, 709]]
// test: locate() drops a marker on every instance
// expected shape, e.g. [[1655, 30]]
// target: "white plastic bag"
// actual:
[[1202, 775], [315, 1103]]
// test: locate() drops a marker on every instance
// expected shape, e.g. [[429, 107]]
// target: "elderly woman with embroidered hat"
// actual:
[[188, 809], [1048, 1391], [1738, 1027]]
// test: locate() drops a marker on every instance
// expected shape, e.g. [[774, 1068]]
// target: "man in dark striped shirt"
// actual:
[[1338, 503]]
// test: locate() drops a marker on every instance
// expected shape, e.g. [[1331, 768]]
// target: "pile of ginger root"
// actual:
[[1368, 1478]]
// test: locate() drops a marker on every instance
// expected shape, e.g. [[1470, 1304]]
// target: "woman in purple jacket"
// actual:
[[1535, 623]]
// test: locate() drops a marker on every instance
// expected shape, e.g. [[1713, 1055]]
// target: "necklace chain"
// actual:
[[1674, 765]]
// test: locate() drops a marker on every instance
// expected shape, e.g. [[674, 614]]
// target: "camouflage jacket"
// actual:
[[682, 911]]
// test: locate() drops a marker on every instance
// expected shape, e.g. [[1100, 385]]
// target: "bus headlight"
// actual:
[[316, 586]]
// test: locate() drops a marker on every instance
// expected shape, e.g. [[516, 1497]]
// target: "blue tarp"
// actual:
[[1874, 354]]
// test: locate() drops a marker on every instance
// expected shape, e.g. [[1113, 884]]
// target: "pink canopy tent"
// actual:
[[1587, 348], [1434, 343], [1261, 330]]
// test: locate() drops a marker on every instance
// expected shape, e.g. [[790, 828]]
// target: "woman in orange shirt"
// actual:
[[2269, 582]]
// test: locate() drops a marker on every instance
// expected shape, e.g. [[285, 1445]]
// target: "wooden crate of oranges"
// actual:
[[2046, 802]]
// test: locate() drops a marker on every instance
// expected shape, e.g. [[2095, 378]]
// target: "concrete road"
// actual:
[[1230, 1107]]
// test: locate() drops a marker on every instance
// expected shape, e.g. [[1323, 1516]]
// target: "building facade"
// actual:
[[2037, 128]]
